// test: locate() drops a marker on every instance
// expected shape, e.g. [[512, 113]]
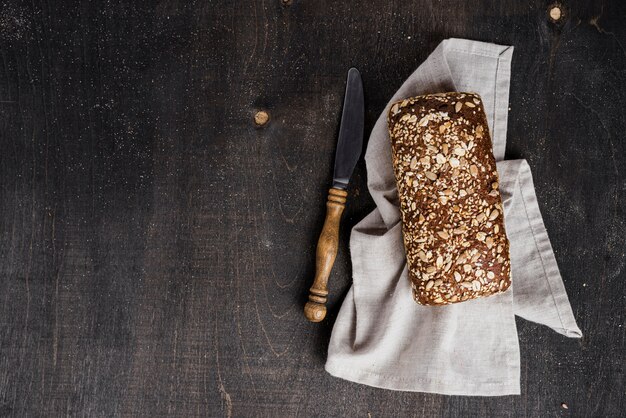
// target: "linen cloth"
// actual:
[[381, 336]]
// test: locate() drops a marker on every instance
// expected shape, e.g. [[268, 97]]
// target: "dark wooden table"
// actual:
[[156, 246]]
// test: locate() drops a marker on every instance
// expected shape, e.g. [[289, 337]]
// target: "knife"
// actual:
[[349, 147]]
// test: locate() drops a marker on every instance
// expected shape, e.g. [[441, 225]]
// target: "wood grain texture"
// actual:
[[157, 245], [325, 254]]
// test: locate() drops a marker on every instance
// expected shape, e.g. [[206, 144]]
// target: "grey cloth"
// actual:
[[381, 336]]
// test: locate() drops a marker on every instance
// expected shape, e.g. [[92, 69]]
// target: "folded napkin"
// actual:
[[381, 336]]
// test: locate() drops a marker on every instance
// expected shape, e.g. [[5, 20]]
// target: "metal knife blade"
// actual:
[[350, 142]]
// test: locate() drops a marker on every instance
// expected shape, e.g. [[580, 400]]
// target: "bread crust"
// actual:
[[452, 216]]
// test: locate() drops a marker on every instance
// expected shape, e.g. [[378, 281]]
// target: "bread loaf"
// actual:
[[452, 216]]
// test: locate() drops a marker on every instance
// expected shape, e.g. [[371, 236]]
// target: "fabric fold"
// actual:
[[539, 294], [381, 336]]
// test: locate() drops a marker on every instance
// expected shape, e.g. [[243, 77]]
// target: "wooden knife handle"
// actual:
[[315, 309]]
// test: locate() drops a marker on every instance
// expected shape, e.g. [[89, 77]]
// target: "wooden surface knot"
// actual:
[[261, 118]]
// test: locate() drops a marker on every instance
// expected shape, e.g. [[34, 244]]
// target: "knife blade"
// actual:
[[350, 141], [349, 146]]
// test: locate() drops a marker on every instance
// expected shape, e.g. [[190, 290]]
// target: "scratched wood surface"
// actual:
[[156, 246]]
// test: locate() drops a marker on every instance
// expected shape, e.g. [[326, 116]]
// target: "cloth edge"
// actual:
[[552, 274], [360, 376]]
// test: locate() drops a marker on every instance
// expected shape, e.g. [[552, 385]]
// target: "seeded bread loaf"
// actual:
[[452, 218]]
